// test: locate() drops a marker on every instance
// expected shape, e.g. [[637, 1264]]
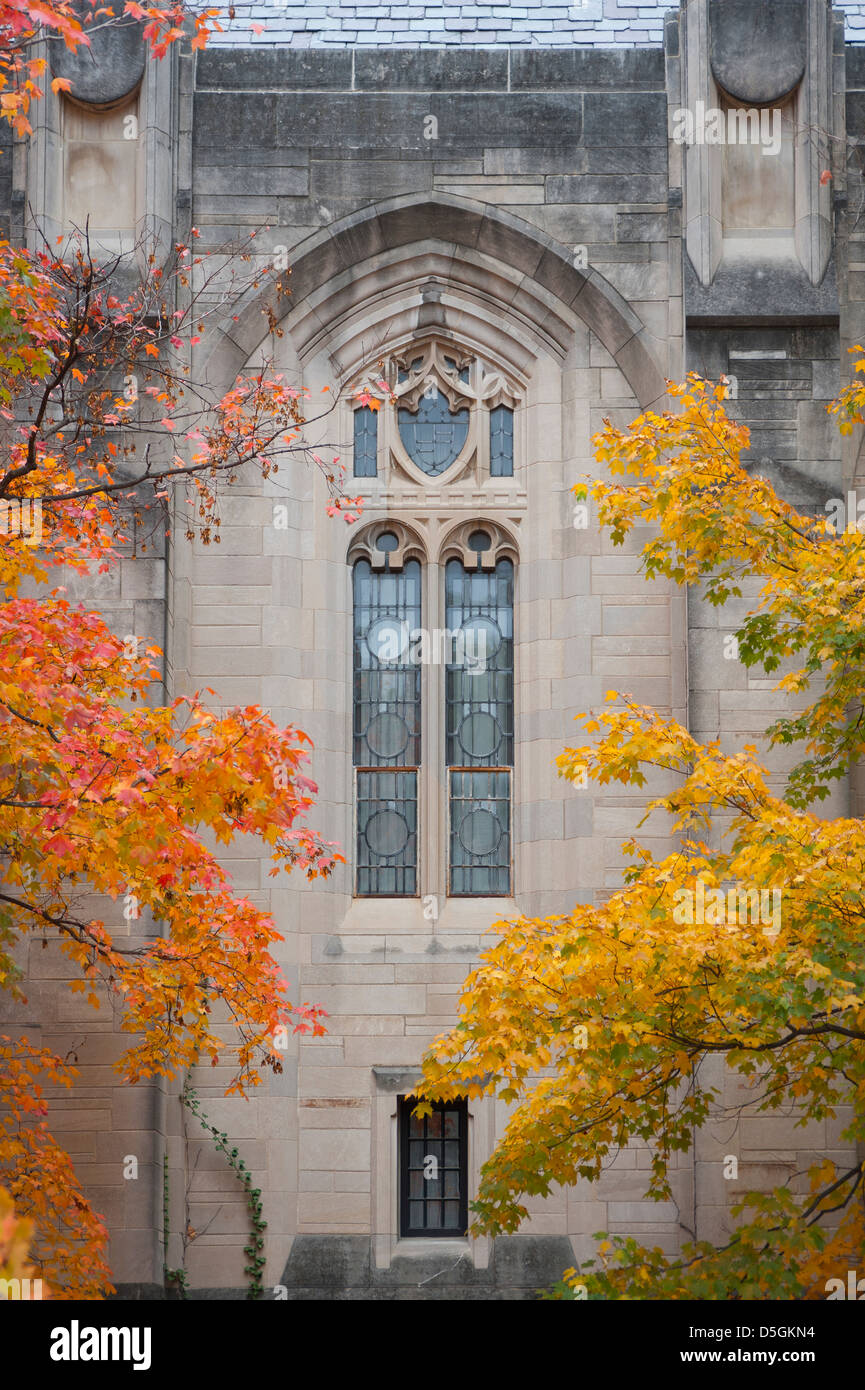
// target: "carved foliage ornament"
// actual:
[[439, 414], [462, 378]]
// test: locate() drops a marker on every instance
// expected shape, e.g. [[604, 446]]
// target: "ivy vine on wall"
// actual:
[[254, 1250]]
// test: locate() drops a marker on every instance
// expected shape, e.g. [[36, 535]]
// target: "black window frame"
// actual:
[[406, 1104]]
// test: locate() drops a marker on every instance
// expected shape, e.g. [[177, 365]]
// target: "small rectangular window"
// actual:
[[433, 1169], [501, 442], [365, 442]]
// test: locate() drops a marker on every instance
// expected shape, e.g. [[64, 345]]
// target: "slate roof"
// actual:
[[442, 23]]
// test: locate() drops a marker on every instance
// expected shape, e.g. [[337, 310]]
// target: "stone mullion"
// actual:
[[432, 783]]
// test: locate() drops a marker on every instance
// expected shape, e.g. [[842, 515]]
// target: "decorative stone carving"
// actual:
[[387, 555], [110, 68], [458, 543], [758, 52], [437, 376], [757, 55], [437, 364]]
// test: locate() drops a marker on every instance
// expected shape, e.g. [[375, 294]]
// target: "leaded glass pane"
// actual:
[[480, 836], [480, 684], [365, 442], [501, 442], [386, 834], [387, 610], [431, 1171], [433, 435]]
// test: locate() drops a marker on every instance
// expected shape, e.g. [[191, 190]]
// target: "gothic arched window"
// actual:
[[365, 442], [457, 769], [479, 711], [501, 442], [450, 416], [387, 708]]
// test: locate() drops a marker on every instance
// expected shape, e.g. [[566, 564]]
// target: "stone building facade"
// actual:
[[504, 211]]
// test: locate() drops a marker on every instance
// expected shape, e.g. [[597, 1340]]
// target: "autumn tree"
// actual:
[[597, 1027], [16, 1272], [110, 798]]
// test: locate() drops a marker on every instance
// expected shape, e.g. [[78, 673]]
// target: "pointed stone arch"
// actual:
[[544, 266]]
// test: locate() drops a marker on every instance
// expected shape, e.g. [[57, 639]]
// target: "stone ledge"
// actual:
[[337, 1267], [396, 1080], [772, 293]]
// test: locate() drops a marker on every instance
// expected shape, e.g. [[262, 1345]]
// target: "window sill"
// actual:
[[371, 916], [423, 1247]]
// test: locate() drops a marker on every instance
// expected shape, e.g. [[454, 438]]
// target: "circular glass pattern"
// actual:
[[386, 833], [387, 735], [479, 735], [387, 639], [387, 542], [479, 542], [480, 832], [482, 639]]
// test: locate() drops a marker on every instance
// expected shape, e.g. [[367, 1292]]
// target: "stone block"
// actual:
[[328, 1262], [248, 68], [234, 122], [645, 1214], [585, 69], [535, 160], [330, 1082], [333, 1209], [430, 69], [651, 619], [625, 118], [634, 158], [607, 188], [250, 180], [334, 1112], [366, 181], [343, 1150], [372, 999]]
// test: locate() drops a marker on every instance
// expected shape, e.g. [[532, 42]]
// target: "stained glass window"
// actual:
[[501, 442], [386, 834], [434, 1169], [433, 435], [365, 442], [480, 842], [479, 697], [386, 719]]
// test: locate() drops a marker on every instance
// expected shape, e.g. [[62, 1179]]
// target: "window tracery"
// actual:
[[450, 415]]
